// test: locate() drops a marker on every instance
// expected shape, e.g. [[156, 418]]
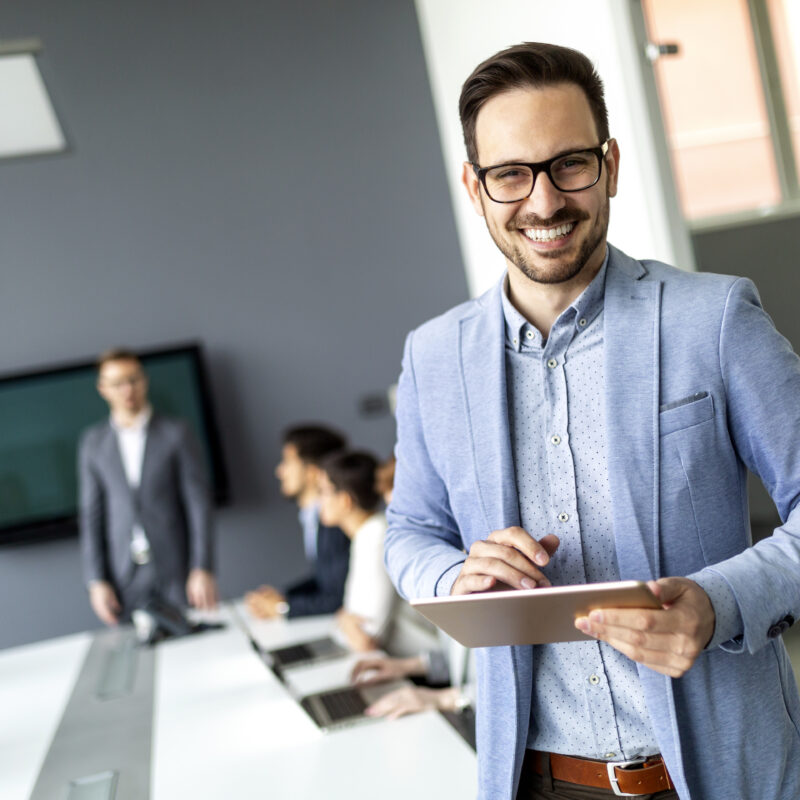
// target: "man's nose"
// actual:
[[545, 199]]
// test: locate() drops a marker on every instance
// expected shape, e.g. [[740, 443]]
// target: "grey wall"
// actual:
[[264, 176], [769, 254]]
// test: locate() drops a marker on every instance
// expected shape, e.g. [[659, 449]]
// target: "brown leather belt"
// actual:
[[621, 777]]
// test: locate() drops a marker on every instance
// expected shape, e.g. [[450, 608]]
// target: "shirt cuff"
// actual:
[[728, 623], [447, 579]]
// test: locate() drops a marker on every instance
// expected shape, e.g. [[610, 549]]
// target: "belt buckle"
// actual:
[[612, 776]]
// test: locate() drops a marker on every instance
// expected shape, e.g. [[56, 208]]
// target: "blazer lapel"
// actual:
[[483, 375], [631, 333]]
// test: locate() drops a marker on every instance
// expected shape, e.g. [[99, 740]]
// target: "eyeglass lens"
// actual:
[[569, 173]]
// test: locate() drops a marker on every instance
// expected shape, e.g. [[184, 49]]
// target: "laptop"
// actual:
[[304, 653], [344, 706]]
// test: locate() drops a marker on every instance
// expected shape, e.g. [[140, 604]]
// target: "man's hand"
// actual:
[[104, 602], [201, 589], [511, 557], [411, 699], [263, 602], [383, 669], [666, 640]]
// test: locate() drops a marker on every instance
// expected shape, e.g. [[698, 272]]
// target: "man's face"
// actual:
[[123, 385], [333, 504], [292, 472], [532, 125]]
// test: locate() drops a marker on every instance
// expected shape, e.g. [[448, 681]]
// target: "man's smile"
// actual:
[[556, 234]]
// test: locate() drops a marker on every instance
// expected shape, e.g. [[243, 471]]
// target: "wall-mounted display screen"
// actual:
[[43, 413]]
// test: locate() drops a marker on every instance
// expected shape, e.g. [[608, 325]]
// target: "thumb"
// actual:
[[667, 590], [550, 542]]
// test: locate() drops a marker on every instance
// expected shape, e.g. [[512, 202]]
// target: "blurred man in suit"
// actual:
[[327, 549], [145, 508]]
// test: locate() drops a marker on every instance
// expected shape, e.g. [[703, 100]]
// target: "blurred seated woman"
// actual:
[[348, 500]]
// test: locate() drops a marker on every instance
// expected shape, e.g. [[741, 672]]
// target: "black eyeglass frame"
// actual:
[[544, 166]]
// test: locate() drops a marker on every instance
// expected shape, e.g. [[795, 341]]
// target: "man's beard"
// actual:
[[558, 273]]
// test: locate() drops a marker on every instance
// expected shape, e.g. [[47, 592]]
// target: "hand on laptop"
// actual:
[[368, 671], [412, 699], [264, 602]]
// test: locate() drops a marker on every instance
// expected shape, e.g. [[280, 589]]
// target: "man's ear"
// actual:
[[612, 166], [473, 187]]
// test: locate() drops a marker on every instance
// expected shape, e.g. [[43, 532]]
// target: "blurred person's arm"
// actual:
[[381, 669], [266, 602], [91, 519], [352, 626], [412, 699], [201, 585], [324, 593]]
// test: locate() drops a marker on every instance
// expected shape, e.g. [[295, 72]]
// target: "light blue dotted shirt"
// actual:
[[587, 698]]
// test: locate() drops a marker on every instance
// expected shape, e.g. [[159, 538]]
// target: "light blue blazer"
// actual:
[[702, 345]]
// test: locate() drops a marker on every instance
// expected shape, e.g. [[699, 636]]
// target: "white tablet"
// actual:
[[529, 616]]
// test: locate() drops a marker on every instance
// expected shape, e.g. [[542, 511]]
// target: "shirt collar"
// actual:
[[140, 423], [520, 332]]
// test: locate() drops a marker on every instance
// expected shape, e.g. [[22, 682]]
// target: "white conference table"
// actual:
[[224, 726]]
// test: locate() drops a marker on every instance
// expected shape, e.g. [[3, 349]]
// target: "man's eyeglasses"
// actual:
[[131, 380], [572, 172]]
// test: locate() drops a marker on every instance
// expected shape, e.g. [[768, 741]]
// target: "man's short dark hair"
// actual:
[[314, 442], [116, 354], [354, 472], [529, 65]]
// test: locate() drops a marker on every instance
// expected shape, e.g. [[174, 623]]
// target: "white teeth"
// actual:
[[548, 234]]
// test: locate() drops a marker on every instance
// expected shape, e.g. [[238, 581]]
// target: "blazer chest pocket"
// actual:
[[685, 413]]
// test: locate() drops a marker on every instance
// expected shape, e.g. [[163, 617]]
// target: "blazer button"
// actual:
[[780, 627]]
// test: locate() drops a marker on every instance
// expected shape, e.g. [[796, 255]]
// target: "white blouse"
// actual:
[[368, 592]]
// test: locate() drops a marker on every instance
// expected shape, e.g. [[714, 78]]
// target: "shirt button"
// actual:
[[529, 334], [555, 439], [594, 680], [515, 340], [552, 363], [610, 755], [563, 516], [582, 322]]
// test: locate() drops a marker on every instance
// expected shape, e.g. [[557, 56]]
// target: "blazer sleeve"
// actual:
[[762, 381], [324, 592], [196, 499], [91, 516], [423, 551]]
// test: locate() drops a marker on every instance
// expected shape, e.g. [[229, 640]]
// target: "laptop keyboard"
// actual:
[[292, 654], [343, 704]]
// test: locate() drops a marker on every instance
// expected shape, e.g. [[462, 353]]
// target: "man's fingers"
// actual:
[[505, 563], [467, 583], [550, 542], [521, 540]]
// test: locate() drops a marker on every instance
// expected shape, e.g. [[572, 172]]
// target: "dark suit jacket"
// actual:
[[322, 592], [172, 504]]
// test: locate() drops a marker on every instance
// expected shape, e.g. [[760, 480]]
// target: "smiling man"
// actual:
[[591, 418]]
